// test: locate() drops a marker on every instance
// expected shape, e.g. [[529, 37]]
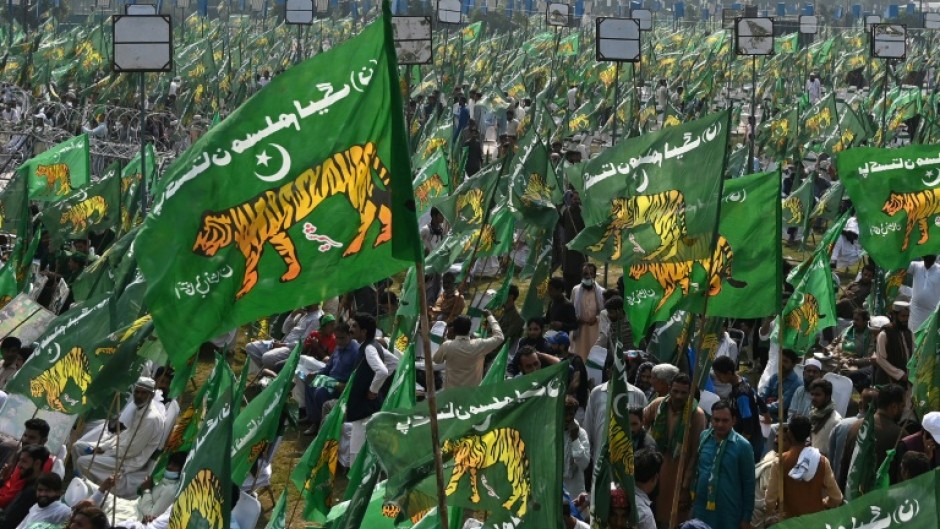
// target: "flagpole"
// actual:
[[115, 403], [684, 445], [430, 392]]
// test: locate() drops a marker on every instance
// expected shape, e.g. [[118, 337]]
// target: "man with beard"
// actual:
[[588, 300], [893, 348], [29, 463], [801, 402], [48, 509], [854, 295], [823, 415]]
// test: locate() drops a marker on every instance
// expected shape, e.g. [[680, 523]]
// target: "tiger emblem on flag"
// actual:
[[486, 237], [535, 190], [664, 211], [919, 206], [56, 176], [202, 496], [329, 458], [51, 383], [430, 188], [620, 446], [90, 210], [175, 440], [480, 452], [674, 274], [267, 217], [474, 200], [794, 205], [806, 313]]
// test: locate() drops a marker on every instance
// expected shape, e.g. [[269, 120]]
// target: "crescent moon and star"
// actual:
[[617, 407], [264, 159], [932, 182]]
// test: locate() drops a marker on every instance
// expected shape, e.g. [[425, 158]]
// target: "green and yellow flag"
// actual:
[[55, 173], [812, 306], [320, 153]]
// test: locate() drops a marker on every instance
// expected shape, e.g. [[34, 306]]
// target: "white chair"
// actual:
[[841, 391], [247, 511]]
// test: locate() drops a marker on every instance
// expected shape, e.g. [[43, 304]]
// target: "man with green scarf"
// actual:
[[724, 482], [673, 432]]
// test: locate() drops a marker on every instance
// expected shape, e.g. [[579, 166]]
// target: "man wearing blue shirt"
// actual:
[[724, 483], [340, 366], [791, 381]]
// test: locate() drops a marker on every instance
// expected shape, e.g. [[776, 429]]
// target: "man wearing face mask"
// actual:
[[588, 301], [142, 430]]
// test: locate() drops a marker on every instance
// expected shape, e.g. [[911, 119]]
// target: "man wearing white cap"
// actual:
[[128, 450], [802, 403], [925, 440], [925, 289], [893, 348]]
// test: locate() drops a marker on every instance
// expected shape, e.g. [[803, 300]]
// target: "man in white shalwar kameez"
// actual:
[[130, 450]]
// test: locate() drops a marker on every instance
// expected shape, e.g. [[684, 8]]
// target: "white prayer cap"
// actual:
[[931, 423], [813, 362], [901, 305], [877, 322], [146, 383]]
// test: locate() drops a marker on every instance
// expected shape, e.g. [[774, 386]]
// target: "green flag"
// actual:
[[431, 182], [896, 193], [94, 207], [883, 476], [619, 442], [471, 32], [131, 179], [534, 304], [315, 474], [122, 367], [532, 185], [787, 43], [516, 426], [204, 498], [861, 477], [924, 367], [319, 156], [497, 371], [643, 215], [53, 174], [278, 518], [14, 205], [468, 241], [812, 306], [112, 271], [777, 135], [256, 426], [570, 46], [911, 504], [8, 288], [57, 375], [797, 206]]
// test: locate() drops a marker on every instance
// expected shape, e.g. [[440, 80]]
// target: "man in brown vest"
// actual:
[[809, 485]]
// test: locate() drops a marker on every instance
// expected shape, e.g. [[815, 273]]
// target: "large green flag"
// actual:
[[308, 185], [638, 206], [812, 306], [514, 427], [532, 185], [896, 193], [57, 375], [924, 366], [204, 499], [53, 174], [94, 207], [122, 369], [256, 426], [863, 466], [911, 504]]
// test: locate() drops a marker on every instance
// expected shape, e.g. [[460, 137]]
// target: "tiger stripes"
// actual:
[[665, 212], [919, 207], [794, 205], [56, 174], [202, 495], [267, 217], [82, 213], [51, 383], [474, 199], [430, 188], [807, 312], [479, 452], [673, 274]]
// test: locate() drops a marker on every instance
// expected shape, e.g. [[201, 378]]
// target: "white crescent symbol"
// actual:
[[646, 182], [285, 166], [933, 182], [616, 406]]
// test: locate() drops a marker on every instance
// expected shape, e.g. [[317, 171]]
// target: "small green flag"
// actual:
[[278, 518], [204, 499], [812, 306], [94, 207], [861, 477], [431, 182], [924, 366], [55, 173]]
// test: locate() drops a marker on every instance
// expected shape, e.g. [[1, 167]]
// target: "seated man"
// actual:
[[29, 464], [140, 438], [153, 500], [298, 325], [48, 509]]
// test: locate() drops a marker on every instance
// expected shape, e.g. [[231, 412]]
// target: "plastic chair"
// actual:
[[247, 510], [841, 391], [706, 400]]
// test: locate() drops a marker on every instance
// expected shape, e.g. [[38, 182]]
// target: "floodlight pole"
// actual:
[[143, 147], [884, 103], [750, 148]]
